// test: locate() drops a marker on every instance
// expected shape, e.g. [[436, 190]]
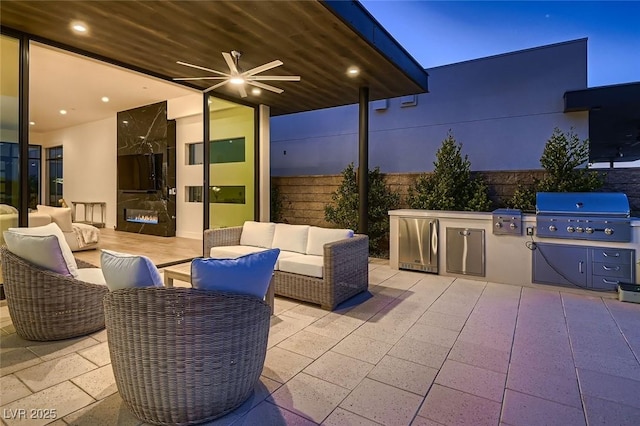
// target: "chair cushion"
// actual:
[[70, 267], [91, 275], [7, 209], [304, 264], [231, 252], [257, 234], [61, 216], [283, 255], [248, 274], [318, 237], [43, 251], [291, 237], [123, 270]]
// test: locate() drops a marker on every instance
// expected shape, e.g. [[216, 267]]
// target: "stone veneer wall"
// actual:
[[304, 197]]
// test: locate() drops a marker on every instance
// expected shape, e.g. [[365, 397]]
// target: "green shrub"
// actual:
[[276, 204], [562, 157], [450, 185], [343, 212]]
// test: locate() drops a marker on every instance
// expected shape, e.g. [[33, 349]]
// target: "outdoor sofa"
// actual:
[[317, 265]]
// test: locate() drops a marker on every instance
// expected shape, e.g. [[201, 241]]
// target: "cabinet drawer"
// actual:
[[612, 255], [607, 283], [613, 270]]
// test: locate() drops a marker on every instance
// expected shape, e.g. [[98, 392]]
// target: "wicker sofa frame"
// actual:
[[185, 356], [44, 305], [346, 269]]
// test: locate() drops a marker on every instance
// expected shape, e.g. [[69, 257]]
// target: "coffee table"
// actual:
[[182, 272]]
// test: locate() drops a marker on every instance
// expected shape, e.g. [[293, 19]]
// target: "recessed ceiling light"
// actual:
[[63, 111], [105, 99], [353, 71], [256, 91], [32, 123], [79, 27], [125, 122]]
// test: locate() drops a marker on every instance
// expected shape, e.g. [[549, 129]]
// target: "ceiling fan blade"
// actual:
[[265, 86], [215, 86], [230, 63], [202, 68], [243, 92], [198, 78], [262, 68], [273, 78]]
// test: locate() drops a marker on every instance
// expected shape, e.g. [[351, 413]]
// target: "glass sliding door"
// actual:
[[54, 176], [232, 173], [9, 121]]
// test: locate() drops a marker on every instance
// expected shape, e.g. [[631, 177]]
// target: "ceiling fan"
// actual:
[[238, 77]]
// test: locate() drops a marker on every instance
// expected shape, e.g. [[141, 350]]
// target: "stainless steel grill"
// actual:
[[598, 216]]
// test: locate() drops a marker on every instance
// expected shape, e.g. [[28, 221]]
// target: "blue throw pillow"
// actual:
[[249, 274]]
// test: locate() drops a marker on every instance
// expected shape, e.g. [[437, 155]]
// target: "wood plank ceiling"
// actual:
[[308, 36]]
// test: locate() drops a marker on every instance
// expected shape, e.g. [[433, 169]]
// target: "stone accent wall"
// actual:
[[304, 197]]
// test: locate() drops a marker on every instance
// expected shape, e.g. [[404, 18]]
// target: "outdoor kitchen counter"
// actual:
[[507, 258]]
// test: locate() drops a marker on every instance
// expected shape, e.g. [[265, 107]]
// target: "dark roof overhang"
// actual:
[[614, 120], [317, 40]]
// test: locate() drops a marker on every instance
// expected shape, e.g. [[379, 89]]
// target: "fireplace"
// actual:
[[141, 216]]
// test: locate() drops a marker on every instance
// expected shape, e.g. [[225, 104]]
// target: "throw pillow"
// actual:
[[257, 234], [41, 250], [318, 237], [248, 274], [123, 270], [48, 230], [59, 215]]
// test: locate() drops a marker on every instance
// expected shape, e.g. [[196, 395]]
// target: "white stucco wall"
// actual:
[[88, 162], [501, 108]]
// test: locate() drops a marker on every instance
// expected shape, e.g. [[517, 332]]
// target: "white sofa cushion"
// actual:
[[257, 234], [249, 274], [318, 237], [70, 266], [291, 237], [61, 216], [231, 252], [7, 209], [304, 264], [283, 255], [91, 275], [123, 270]]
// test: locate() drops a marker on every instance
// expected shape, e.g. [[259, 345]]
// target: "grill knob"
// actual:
[[513, 226], [552, 228], [608, 231], [588, 230], [570, 229], [579, 229], [498, 225]]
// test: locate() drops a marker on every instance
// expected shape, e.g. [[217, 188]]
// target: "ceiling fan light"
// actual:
[[236, 80]]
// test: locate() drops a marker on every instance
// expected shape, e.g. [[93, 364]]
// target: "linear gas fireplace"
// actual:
[[141, 216]]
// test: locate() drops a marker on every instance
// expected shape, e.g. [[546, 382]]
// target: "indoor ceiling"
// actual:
[[312, 38], [76, 84]]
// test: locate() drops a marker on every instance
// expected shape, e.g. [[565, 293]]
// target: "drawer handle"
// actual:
[[605, 254], [606, 281], [609, 268]]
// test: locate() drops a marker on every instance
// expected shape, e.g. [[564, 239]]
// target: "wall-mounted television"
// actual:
[[140, 172]]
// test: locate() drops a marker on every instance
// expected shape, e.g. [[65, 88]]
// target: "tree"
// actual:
[[562, 159], [343, 212], [450, 185]]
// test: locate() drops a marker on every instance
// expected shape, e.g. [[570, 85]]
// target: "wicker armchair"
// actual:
[[44, 305], [182, 355]]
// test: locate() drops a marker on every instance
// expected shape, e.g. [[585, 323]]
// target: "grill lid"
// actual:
[[611, 204]]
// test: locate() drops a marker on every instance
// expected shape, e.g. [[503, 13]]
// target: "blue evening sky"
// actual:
[[444, 32]]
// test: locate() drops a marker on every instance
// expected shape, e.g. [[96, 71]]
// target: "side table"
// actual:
[[88, 208]]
